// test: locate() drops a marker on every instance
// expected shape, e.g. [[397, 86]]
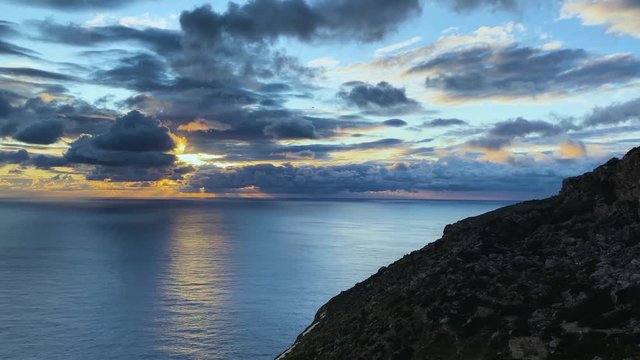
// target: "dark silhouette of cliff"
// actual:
[[548, 279]]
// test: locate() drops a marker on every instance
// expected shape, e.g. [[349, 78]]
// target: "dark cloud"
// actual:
[[43, 122], [7, 48], [138, 174], [363, 20], [614, 114], [275, 87], [443, 123], [395, 123], [522, 127], [445, 175], [5, 107], [36, 73], [17, 157], [42, 132], [85, 151], [160, 40], [141, 72], [381, 98], [7, 30], [267, 125], [502, 133], [135, 132], [291, 129], [134, 148], [321, 151], [516, 71], [48, 161]]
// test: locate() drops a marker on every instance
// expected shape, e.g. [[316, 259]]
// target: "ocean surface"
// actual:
[[215, 279]]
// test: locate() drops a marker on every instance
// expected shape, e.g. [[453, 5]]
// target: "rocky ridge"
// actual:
[[548, 279]]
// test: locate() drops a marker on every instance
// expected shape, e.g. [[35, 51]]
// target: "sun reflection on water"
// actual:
[[193, 290]]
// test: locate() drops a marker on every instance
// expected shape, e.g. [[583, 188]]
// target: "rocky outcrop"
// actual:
[[550, 279]]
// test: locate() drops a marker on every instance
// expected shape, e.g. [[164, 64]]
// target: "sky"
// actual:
[[442, 99]]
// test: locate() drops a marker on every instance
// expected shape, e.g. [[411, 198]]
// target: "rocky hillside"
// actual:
[[549, 279]]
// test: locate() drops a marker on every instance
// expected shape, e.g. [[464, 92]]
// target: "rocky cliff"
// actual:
[[551, 279]]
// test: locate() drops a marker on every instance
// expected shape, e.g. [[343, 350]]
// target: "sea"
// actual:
[[206, 279]]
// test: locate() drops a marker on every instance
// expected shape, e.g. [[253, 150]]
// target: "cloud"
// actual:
[[5, 107], [141, 72], [7, 48], [145, 20], [618, 16], [443, 123], [397, 46], [8, 30], [395, 123], [138, 174], [614, 114], [364, 20], [501, 134], [572, 149], [516, 71], [134, 148], [48, 161], [259, 126], [380, 99], [291, 129], [449, 174], [322, 151], [85, 151], [43, 132], [36, 73], [522, 127], [35, 120], [160, 40], [135, 132], [17, 157]]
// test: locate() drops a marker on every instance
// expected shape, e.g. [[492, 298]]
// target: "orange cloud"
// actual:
[[619, 16], [571, 150], [201, 124]]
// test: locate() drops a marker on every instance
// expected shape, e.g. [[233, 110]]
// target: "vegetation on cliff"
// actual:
[[548, 279]]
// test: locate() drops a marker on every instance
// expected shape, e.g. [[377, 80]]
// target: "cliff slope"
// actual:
[[550, 279]]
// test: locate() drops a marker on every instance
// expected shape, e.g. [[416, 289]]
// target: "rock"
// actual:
[[548, 279]]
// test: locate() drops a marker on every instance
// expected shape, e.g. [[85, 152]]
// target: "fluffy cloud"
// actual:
[[364, 20], [516, 71], [43, 122], [614, 114], [133, 149], [42, 132], [135, 132], [502, 134], [380, 99]]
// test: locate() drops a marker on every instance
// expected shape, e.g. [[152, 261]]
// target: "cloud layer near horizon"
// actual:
[[223, 103]]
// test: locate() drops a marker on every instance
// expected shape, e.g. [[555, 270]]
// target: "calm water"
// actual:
[[191, 280]]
